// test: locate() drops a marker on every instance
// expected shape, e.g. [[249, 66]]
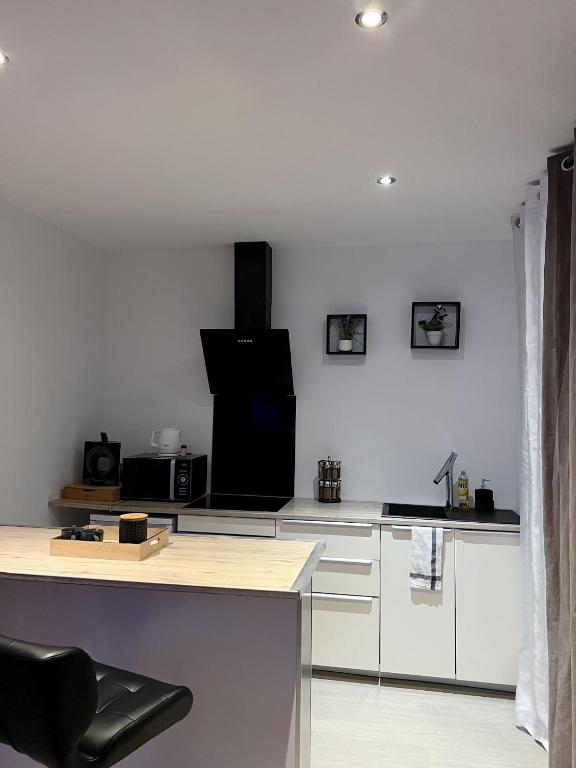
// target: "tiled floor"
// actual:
[[363, 725]]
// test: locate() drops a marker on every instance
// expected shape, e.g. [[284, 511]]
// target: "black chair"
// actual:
[[65, 711]]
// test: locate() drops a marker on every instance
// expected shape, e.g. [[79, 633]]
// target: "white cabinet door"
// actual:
[[417, 635], [487, 606], [345, 632]]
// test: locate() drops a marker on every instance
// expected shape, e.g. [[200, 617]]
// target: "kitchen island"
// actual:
[[230, 618]]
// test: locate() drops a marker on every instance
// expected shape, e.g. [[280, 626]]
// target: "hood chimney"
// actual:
[[252, 286]]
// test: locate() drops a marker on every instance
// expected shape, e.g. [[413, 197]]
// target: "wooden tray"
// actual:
[[110, 548], [82, 492]]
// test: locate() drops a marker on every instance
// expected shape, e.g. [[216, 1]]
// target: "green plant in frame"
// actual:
[[348, 327], [438, 320]]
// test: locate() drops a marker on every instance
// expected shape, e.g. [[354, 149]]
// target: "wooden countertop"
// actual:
[[256, 567], [298, 509]]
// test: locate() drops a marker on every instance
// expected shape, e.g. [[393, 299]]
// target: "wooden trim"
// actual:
[[302, 582]]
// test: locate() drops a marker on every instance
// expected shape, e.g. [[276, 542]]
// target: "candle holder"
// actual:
[[133, 528]]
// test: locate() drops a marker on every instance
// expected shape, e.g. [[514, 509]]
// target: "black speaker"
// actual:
[[101, 462]]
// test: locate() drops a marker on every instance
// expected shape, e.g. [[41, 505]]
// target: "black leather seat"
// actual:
[[65, 711]]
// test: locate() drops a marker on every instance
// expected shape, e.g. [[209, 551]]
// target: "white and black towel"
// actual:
[[426, 558]]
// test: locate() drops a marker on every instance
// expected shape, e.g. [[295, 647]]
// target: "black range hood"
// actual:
[[250, 375], [252, 357], [255, 361]]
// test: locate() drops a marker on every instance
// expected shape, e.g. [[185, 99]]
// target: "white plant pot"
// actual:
[[435, 338], [344, 345]]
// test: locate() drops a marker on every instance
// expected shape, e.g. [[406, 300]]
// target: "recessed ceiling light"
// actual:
[[386, 181], [3, 59], [371, 18]]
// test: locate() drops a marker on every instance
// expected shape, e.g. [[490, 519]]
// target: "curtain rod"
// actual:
[[567, 163]]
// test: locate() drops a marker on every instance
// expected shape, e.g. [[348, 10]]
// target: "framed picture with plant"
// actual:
[[346, 334], [435, 325]]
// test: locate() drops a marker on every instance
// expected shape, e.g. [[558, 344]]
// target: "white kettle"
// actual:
[[166, 441]]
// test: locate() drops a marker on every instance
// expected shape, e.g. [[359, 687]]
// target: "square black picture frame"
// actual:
[[359, 343], [425, 309]]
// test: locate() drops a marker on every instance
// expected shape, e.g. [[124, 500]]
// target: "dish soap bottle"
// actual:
[[463, 492]]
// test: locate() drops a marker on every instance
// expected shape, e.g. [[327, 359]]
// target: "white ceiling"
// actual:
[[169, 123]]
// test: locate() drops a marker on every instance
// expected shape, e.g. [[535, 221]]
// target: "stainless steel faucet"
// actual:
[[447, 471]]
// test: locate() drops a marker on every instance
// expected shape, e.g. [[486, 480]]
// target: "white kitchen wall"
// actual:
[[157, 302], [51, 333], [392, 418]]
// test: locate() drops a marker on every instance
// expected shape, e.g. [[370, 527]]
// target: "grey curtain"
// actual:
[[559, 455]]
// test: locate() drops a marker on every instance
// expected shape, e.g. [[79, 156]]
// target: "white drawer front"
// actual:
[[347, 576], [345, 632], [227, 526], [355, 540]]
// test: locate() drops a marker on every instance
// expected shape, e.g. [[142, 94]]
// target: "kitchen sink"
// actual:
[[429, 512], [421, 511]]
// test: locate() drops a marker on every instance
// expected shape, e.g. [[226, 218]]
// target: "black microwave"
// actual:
[[150, 477]]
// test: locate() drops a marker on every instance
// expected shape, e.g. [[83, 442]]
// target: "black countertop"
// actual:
[[498, 516]]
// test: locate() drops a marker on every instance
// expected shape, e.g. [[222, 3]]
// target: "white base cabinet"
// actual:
[[345, 593], [366, 618], [345, 632], [417, 629], [488, 598]]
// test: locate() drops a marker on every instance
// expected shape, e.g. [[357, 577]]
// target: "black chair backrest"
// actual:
[[48, 698]]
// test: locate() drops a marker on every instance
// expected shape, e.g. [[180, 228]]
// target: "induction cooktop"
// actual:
[[225, 501]]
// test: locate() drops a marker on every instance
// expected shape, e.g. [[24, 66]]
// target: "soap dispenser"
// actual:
[[484, 498]]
